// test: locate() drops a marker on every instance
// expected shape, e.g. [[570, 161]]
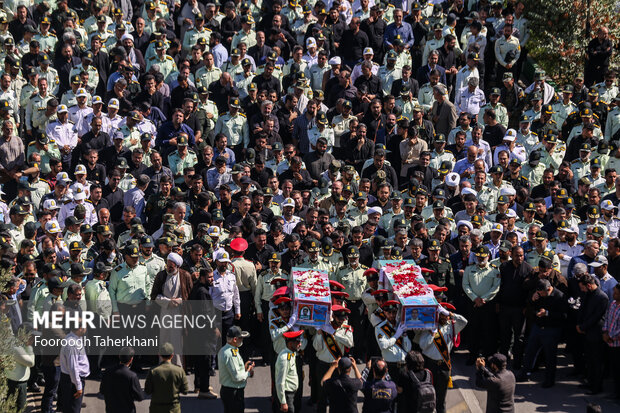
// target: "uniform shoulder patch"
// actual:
[[118, 267]]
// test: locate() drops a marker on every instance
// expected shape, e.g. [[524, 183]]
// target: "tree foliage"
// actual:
[[558, 37], [7, 342]]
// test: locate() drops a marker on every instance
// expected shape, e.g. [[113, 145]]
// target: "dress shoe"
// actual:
[[210, 395]]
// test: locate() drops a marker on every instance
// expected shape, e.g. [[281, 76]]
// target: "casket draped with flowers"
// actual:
[[404, 279], [311, 296]]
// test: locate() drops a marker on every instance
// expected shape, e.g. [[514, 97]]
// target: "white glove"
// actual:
[[292, 320], [399, 331], [327, 328]]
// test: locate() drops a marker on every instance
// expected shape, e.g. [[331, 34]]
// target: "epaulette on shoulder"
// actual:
[[88, 201], [363, 266], [428, 220], [70, 121], [448, 151], [493, 265], [44, 180], [152, 57], [243, 114], [51, 34], [40, 109], [449, 219], [523, 177], [168, 57], [207, 29], [118, 267], [575, 161], [67, 201]]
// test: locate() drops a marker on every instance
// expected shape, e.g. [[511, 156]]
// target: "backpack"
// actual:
[[425, 392]]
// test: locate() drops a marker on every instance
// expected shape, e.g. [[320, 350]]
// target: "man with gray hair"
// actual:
[[443, 112], [590, 251], [470, 98]]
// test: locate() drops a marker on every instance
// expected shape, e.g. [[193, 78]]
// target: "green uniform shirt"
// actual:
[[232, 368], [37, 295], [128, 285], [286, 374], [164, 383], [98, 298], [353, 280], [177, 164], [264, 288], [481, 282], [235, 127]]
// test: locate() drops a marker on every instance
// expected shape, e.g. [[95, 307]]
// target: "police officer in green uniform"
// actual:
[[286, 376], [197, 32], [181, 159], [40, 291], [314, 260], [128, 282], [55, 287], [96, 291], [442, 269], [153, 262], [234, 125], [234, 372], [481, 284], [166, 63], [355, 283]]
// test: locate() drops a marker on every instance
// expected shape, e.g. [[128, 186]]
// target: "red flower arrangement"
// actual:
[[404, 279], [311, 283]]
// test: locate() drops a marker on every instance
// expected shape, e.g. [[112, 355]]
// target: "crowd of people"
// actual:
[[166, 151]]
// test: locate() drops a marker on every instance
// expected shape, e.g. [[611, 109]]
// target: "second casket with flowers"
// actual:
[[405, 280], [311, 296]]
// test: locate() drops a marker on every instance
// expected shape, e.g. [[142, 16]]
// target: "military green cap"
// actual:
[[434, 245], [598, 232], [482, 251], [131, 251], [353, 251], [313, 246]]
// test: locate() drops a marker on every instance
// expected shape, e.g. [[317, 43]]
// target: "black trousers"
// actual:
[[233, 399], [441, 378], [511, 328], [356, 321], [228, 317], [52, 378], [545, 339], [203, 371], [320, 370], [67, 389], [614, 357], [482, 330], [594, 350], [265, 339], [247, 316]]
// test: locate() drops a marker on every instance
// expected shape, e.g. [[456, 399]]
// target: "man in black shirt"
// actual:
[[266, 80], [511, 299], [231, 24], [374, 27], [447, 59], [120, 386], [372, 82], [493, 131], [341, 389], [353, 43]]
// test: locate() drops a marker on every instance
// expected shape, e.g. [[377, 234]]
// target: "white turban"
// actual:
[[175, 258]]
